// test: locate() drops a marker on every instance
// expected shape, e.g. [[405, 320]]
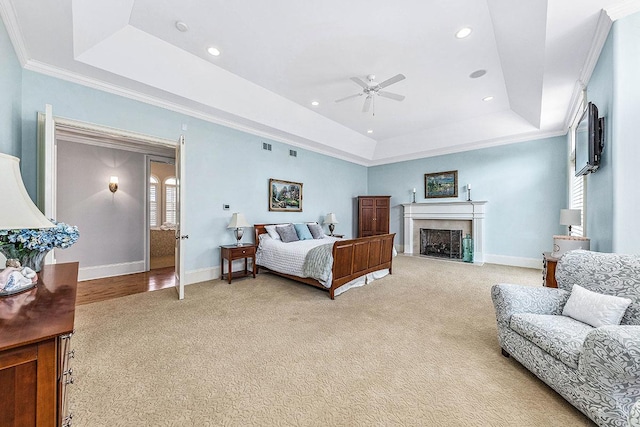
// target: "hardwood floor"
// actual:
[[114, 287]]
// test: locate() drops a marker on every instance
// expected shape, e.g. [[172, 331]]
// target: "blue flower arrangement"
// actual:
[[26, 243]]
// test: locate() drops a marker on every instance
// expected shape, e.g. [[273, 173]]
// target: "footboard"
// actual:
[[356, 257]]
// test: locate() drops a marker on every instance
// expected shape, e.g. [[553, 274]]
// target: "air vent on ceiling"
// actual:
[[266, 146], [293, 153]]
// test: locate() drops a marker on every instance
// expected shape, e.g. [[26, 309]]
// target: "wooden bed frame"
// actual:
[[352, 258]]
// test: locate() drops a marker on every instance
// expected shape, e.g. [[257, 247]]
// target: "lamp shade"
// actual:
[[18, 210], [330, 219], [237, 221], [570, 217]]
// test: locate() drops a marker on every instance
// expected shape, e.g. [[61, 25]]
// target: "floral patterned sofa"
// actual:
[[596, 369]]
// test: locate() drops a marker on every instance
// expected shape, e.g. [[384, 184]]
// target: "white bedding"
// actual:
[[288, 258]]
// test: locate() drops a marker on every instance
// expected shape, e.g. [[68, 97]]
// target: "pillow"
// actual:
[[287, 233], [316, 230], [303, 232], [271, 229], [595, 309]]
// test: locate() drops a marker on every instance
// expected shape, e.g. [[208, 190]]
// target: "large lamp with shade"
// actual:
[[18, 212], [570, 217], [238, 221], [330, 219]]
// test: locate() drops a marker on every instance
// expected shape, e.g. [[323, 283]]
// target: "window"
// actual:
[[576, 183], [153, 201], [170, 199]]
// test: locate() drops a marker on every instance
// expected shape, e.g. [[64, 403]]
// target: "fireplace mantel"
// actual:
[[466, 211]]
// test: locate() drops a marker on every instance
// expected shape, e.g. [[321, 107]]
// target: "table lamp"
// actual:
[[238, 221], [570, 217], [331, 220]]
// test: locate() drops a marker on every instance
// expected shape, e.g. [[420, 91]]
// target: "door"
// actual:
[[46, 156], [381, 225], [180, 216]]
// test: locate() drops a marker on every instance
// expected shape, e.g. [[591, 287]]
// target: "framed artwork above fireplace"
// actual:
[[441, 184]]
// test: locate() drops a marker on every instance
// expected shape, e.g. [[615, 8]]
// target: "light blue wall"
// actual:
[[223, 165], [10, 96], [524, 185], [599, 200], [626, 135], [613, 199]]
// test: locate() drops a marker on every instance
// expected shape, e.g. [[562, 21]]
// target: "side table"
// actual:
[[549, 270], [233, 252]]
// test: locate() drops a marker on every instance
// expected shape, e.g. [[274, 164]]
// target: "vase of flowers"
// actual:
[[30, 246]]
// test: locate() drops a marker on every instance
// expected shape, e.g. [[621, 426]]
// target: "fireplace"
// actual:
[[441, 243], [449, 216]]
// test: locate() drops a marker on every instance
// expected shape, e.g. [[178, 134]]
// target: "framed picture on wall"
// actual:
[[285, 196], [441, 184]]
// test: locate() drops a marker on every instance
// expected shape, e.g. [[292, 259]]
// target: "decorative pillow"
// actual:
[[271, 229], [303, 232], [595, 309], [316, 230], [287, 233]]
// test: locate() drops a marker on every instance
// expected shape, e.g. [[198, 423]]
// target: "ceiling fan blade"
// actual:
[[348, 97], [391, 95], [360, 82], [392, 80], [367, 104]]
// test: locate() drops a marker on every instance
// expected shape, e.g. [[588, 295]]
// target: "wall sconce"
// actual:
[[113, 184], [238, 221], [331, 220]]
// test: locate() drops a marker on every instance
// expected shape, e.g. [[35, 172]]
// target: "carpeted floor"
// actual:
[[417, 348]]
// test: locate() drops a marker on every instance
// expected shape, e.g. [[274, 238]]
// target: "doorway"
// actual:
[[162, 210]]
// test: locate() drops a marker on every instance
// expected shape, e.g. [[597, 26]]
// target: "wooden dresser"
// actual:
[[35, 331], [373, 215]]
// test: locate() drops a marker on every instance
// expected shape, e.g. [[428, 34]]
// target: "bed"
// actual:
[[355, 261]]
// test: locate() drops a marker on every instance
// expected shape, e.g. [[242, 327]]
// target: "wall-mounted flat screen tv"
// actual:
[[589, 138]]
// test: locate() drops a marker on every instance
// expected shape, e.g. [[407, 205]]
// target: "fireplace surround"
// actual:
[[472, 212]]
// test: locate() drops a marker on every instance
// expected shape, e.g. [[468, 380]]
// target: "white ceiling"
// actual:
[[279, 55]]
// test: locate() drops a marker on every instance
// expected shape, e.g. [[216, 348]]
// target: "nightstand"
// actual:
[[233, 252], [549, 270]]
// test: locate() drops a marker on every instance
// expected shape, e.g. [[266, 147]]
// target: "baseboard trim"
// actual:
[[110, 270], [202, 275], [514, 261]]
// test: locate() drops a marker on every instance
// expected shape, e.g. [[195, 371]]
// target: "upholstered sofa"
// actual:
[[596, 369]]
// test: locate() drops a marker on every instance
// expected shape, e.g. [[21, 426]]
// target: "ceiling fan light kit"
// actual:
[[371, 89]]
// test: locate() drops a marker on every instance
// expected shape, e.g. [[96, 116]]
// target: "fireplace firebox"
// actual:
[[441, 243]]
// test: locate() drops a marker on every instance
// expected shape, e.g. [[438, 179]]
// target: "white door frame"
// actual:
[[51, 128]]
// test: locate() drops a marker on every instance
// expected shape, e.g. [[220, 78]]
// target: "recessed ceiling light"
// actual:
[[315, 103], [370, 131], [213, 51], [488, 98], [181, 26], [463, 32], [478, 73]]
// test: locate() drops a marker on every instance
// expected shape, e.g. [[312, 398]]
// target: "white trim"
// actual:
[[623, 9], [599, 38], [110, 270], [202, 275], [8, 15], [69, 76], [514, 261]]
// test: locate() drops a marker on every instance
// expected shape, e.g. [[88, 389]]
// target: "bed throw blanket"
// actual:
[[319, 262]]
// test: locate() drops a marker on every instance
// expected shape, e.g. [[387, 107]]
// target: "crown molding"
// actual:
[[623, 9], [531, 136], [42, 68], [8, 15], [597, 43]]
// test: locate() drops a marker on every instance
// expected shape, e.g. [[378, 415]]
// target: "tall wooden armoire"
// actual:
[[373, 215]]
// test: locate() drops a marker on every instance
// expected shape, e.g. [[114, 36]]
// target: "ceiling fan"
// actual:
[[371, 89]]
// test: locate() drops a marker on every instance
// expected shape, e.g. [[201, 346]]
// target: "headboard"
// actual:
[[258, 230]]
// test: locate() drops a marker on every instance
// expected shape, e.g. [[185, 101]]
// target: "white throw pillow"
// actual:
[[595, 309], [271, 229]]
